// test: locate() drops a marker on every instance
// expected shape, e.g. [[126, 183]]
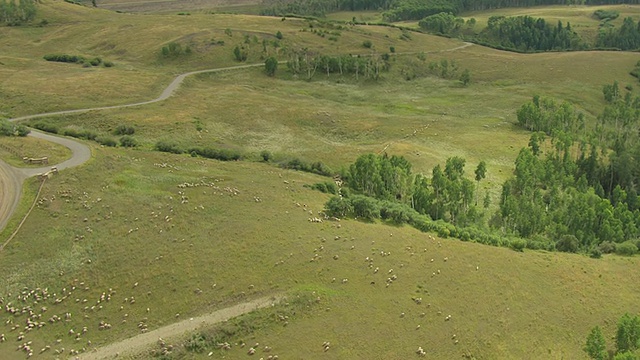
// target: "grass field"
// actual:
[[114, 233], [184, 236], [12, 150]]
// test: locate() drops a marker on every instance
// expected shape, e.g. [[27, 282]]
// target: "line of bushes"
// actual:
[[77, 59], [10, 129], [82, 134], [368, 209], [300, 165], [207, 152]]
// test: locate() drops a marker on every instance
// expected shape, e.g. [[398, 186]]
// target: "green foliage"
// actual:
[[106, 141], [568, 243], [266, 155], [10, 129], [17, 12], [128, 141], [602, 14], [270, 66], [415, 10], [279, 35], [168, 146], [316, 167], [465, 77], [596, 346], [218, 154], [627, 248], [626, 37], [45, 126], [392, 49], [628, 334], [367, 44], [325, 187], [80, 133], [64, 58], [240, 53], [365, 207], [525, 33], [611, 92], [442, 23], [517, 244], [124, 130], [625, 356], [369, 67], [174, 49], [607, 247], [338, 206]]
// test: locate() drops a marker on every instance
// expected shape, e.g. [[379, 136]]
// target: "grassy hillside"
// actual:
[[183, 236], [237, 238]]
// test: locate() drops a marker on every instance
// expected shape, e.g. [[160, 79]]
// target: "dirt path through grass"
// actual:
[[139, 343]]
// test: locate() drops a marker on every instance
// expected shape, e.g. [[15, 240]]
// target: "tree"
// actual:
[[270, 66], [481, 173], [240, 53], [596, 346], [465, 77], [279, 35], [628, 334], [338, 206]]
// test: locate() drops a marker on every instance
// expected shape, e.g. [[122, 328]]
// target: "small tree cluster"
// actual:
[[14, 13]]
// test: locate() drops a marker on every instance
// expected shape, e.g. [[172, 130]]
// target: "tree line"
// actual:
[[627, 341], [583, 189], [399, 10], [307, 63]]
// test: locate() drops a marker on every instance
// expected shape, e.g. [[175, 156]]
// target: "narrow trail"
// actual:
[[139, 343]]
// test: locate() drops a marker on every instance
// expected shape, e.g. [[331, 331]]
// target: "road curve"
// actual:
[[11, 178], [139, 343]]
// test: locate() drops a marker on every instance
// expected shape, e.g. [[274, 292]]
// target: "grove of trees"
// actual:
[[627, 340], [15, 13]]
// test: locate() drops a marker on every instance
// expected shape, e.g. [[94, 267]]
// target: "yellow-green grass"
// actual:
[[30, 84], [134, 226], [13, 149], [167, 6], [361, 16]]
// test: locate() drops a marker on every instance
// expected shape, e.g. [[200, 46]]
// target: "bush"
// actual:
[[108, 64], [595, 253], [338, 207], [392, 49], [266, 155], [95, 61], [128, 141], [517, 244], [367, 43], [47, 127], [168, 147], [627, 248], [607, 247], [602, 14], [64, 58], [365, 207], [218, 154], [568, 243], [124, 130], [106, 141], [279, 35]]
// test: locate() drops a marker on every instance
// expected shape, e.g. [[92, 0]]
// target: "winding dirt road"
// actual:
[[12, 178]]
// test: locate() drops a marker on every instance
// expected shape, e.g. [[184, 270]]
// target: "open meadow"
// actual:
[[137, 239]]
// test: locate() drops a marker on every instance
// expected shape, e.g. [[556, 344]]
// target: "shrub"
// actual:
[[108, 64], [595, 253], [367, 43], [44, 126], [279, 35], [517, 244], [106, 141], [392, 49], [627, 248], [124, 130], [169, 147], [607, 247], [602, 14], [218, 154], [128, 141], [338, 206], [568, 243], [365, 207], [266, 155], [95, 61]]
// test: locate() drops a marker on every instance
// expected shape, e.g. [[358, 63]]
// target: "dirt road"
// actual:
[[139, 343]]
